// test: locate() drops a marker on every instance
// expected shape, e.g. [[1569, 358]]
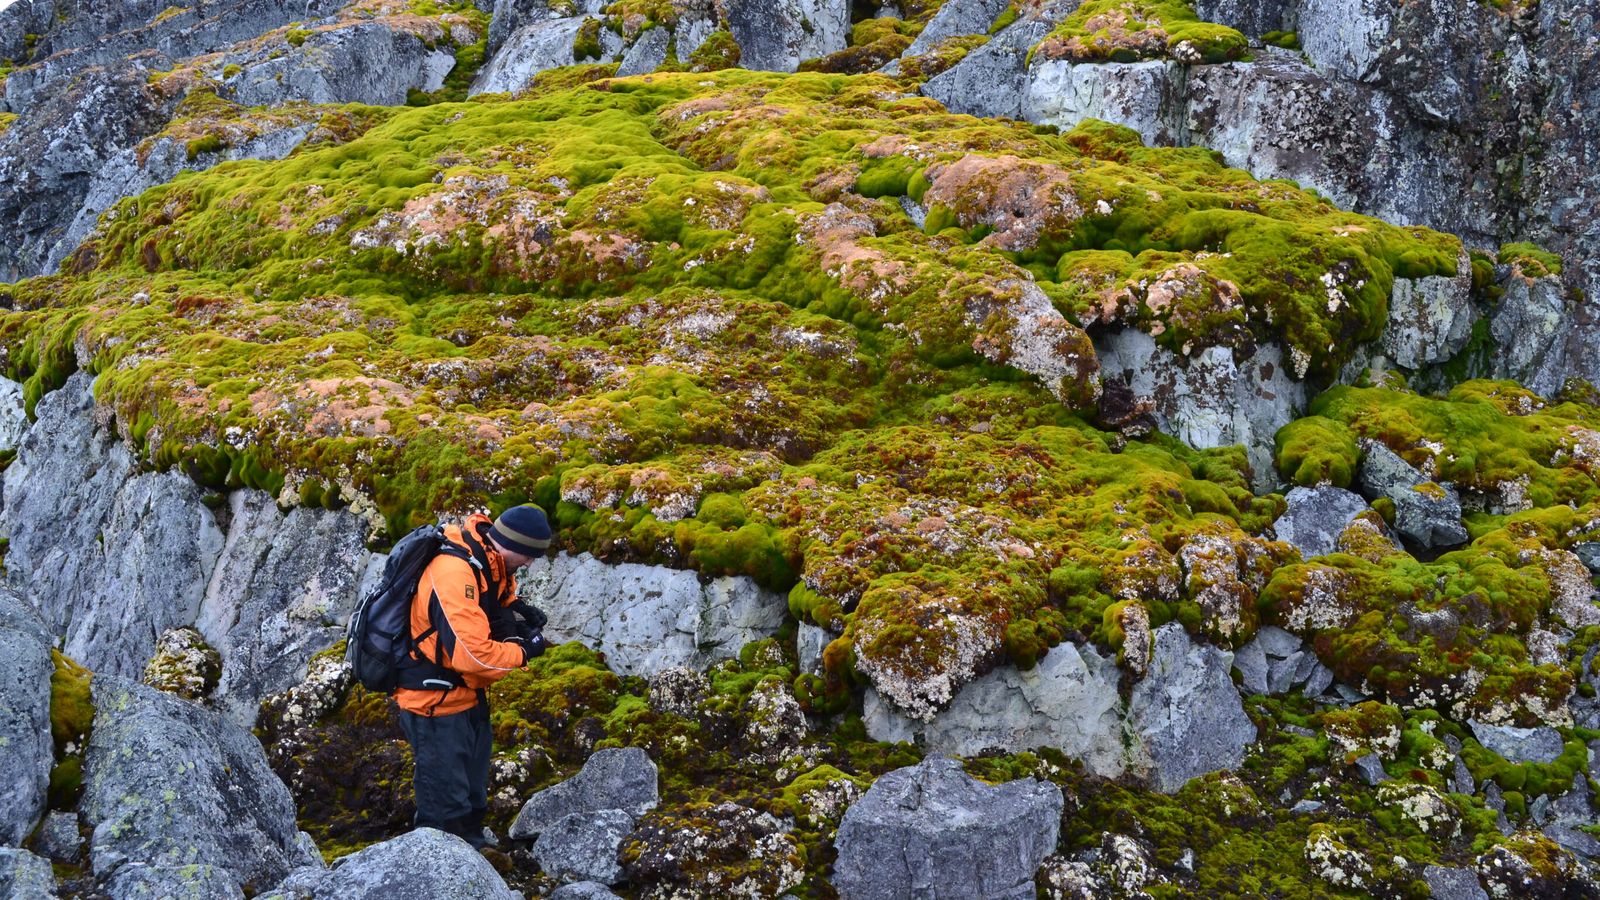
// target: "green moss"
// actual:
[[1130, 30], [1533, 260], [210, 143], [1317, 450], [71, 719], [587, 43], [296, 36], [1288, 40]]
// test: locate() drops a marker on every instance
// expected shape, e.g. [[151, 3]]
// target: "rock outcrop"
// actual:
[[648, 618], [25, 645], [931, 830], [621, 779]]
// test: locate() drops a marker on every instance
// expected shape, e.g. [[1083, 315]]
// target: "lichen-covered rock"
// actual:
[[538, 47], [355, 62], [13, 415], [622, 779], [59, 838], [283, 587], [583, 890], [990, 81], [1452, 883], [584, 845], [956, 18], [25, 876], [1068, 701], [194, 881], [774, 724], [1333, 861], [169, 784], [1185, 717], [1528, 864], [1532, 326], [25, 645], [1538, 745], [1430, 319], [133, 558], [649, 618], [421, 863], [1214, 398], [726, 850], [184, 665], [1316, 517], [1425, 511], [777, 35], [932, 830]]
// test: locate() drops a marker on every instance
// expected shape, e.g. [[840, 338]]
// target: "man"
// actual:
[[467, 639]]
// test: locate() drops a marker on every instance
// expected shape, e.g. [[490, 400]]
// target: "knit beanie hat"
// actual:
[[523, 529]]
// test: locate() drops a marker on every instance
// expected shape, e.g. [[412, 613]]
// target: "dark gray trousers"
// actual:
[[451, 754]]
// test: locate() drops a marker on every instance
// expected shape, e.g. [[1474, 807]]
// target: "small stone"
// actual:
[[1280, 672], [1251, 663], [25, 876], [1449, 883], [1370, 768], [1277, 643], [59, 838], [1305, 807], [1589, 553], [1348, 694], [1318, 681], [1539, 810], [1519, 745], [1461, 781]]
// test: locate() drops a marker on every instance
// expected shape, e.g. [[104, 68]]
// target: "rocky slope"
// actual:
[[1092, 393]]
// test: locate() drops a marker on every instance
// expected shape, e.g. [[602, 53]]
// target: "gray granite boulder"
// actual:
[[1519, 745], [956, 18], [932, 831], [649, 618], [617, 778], [539, 46], [29, 752], [1185, 717], [584, 846], [1424, 511], [1530, 326], [360, 62], [991, 80], [1140, 95], [283, 588], [24, 876], [778, 35], [421, 863], [168, 784], [1316, 516], [1068, 701]]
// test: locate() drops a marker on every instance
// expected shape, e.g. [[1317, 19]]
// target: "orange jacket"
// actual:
[[449, 588]]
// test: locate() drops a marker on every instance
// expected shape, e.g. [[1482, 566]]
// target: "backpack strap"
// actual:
[[421, 673]]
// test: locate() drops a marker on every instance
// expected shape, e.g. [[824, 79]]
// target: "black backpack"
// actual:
[[379, 641]]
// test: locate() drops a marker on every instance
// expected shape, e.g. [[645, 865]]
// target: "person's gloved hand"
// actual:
[[502, 624], [530, 614], [531, 641]]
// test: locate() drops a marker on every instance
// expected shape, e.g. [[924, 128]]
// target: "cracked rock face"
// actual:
[[776, 35], [24, 718], [131, 560], [648, 618], [933, 830]]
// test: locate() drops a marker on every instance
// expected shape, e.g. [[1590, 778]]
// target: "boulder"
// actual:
[[1068, 701], [1208, 399], [956, 18], [283, 588], [583, 890], [991, 80], [1449, 883], [647, 53], [1530, 326], [1185, 717], [1519, 745], [1424, 511], [1316, 516], [1250, 661], [1430, 319], [24, 876], [25, 765], [1142, 95], [361, 62], [539, 46], [139, 881], [932, 831], [132, 559], [649, 618], [621, 779], [421, 863], [168, 784], [778, 35], [584, 845], [809, 642], [59, 838]]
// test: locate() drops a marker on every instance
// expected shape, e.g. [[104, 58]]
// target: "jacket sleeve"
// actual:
[[463, 629]]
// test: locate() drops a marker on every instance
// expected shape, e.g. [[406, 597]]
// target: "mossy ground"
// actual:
[[1131, 30]]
